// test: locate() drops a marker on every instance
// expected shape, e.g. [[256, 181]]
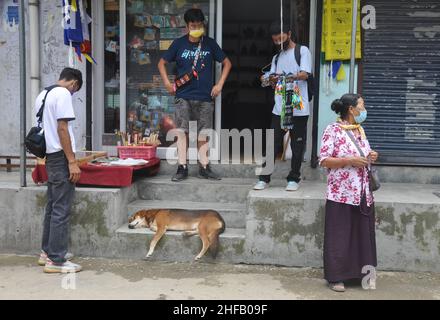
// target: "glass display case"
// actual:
[[152, 26]]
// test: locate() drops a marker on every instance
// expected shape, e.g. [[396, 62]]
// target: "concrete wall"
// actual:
[[10, 83], [281, 228], [53, 57], [288, 231], [96, 215]]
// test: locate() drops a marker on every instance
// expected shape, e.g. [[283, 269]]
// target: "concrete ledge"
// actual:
[[227, 190], [96, 214], [388, 174], [287, 228], [175, 247]]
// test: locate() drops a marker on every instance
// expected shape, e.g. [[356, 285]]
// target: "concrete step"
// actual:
[[227, 190], [229, 170], [388, 174], [234, 214], [175, 247]]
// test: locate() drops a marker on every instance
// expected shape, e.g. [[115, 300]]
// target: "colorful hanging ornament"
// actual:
[[76, 31]]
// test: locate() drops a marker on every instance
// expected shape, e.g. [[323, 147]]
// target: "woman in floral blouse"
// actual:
[[349, 241]]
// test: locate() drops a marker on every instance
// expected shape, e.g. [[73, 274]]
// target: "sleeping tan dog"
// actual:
[[208, 224]]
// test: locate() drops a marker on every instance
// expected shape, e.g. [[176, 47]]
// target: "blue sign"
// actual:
[[12, 14]]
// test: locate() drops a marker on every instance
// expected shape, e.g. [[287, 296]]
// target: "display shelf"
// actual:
[[151, 28]]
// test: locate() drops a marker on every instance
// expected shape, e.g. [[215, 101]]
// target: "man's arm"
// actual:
[[66, 144], [302, 75], [163, 73], [217, 89]]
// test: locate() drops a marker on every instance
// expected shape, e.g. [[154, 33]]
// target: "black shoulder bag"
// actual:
[[35, 141], [185, 78], [373, 176]]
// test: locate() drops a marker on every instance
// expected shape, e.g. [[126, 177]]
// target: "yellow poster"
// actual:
[[336, 36]]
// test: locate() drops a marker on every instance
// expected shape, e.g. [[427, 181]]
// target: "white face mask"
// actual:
[[361, 117]]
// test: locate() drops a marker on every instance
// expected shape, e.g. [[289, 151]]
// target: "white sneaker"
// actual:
[[43, 257], [66, 267], [260, 185], [292, 186]]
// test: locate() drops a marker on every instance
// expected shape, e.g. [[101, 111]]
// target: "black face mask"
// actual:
[[285, 45]]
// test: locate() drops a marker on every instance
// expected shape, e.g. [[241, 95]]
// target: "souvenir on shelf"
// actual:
[[150, 34]]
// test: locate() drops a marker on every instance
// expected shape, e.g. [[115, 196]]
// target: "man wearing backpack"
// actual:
[[295, 60], [62, 169]]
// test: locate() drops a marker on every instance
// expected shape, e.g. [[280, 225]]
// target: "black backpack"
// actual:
[[310, 79], [35, 141]]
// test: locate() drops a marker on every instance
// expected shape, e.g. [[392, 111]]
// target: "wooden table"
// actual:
[[82, 157]]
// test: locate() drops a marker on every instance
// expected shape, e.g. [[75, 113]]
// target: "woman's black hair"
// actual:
[[72, 74], [194, 15], [341, 106]]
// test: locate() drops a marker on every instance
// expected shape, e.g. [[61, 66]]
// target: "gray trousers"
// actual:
[[60, 193]]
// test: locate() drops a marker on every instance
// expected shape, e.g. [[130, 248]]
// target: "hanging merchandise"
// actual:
[[336, 65], [144, 58], [111, 46], [136, 43], [150, 34], [337, 26], [76, 30], [290, 94], [287, 88], [340, 75], [158, 21]]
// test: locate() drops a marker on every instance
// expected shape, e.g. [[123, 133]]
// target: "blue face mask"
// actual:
[[361, 117]]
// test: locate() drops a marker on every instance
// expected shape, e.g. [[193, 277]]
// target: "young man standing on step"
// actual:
[[62, 170], [284, 63], [194, 54]]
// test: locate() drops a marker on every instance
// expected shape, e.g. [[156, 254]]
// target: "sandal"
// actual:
[[337, 286]]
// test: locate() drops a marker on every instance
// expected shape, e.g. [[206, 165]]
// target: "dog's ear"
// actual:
[[152, 215], [136, 215]]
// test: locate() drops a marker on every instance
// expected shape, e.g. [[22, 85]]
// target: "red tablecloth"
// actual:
[[102, 175]]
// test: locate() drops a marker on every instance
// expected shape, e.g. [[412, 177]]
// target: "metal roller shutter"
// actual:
[[401, 81]]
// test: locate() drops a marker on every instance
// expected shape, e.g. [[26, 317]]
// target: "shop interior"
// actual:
[[247, 42]]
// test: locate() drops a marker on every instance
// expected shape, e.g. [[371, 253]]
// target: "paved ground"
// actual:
[[21, 278]]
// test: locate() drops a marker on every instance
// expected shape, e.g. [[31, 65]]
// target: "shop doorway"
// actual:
[[247, 42]]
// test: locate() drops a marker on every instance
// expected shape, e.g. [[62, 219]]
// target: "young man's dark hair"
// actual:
[[72, 74], [275, 27], [194, 15]]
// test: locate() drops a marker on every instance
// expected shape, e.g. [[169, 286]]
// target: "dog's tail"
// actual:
[[214, 238]]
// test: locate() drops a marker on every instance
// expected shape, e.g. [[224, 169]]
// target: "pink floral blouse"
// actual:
[[345, 185]]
